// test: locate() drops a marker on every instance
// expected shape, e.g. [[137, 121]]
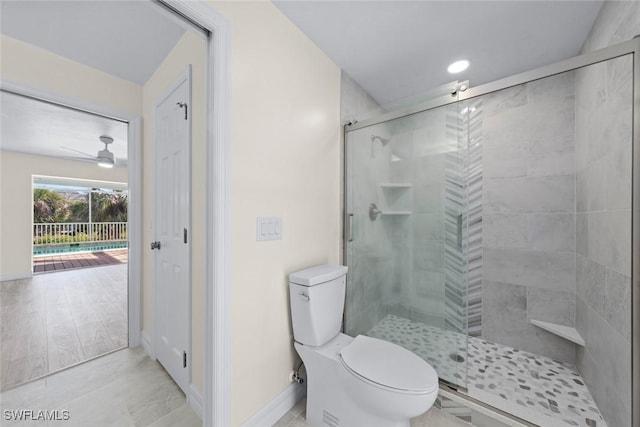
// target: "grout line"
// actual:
[[44, 286], [46, 323], [63, 369]]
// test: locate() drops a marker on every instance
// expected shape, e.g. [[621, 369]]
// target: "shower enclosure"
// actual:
[[490, 232]]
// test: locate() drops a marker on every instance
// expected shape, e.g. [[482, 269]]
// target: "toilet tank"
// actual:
[[317, 303]]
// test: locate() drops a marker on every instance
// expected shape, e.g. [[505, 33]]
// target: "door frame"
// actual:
[[216, 399], [134, 172], [184, 76]]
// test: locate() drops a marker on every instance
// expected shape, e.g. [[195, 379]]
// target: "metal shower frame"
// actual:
[[631, 47]]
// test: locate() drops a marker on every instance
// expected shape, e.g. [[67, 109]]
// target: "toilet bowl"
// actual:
[[387, 380], [352, 382]]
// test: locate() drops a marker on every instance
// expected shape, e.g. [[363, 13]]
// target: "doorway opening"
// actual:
[[208, 395], [78, 223], [68, 212]]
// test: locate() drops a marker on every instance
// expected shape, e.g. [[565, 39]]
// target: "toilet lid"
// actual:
[[389, 365]]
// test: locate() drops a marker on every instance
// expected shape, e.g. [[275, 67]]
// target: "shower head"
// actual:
[[384, 141]]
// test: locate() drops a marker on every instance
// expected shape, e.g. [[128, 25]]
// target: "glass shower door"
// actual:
[[405, 236]]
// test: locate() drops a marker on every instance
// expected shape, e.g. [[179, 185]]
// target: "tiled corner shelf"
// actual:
[[565, 332]]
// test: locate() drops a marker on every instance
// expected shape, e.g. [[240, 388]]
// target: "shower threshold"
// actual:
[[532, 387]]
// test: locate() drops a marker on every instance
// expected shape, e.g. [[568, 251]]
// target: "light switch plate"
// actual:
[[269, 228]]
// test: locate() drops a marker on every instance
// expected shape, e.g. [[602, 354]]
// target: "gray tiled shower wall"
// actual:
[[603, 221], [372, 264], [603, 224], [556, 217], [420, 144], [557, 223], [529, 215], [391, 271]]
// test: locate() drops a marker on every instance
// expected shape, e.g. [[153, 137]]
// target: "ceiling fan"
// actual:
[[105, 158]]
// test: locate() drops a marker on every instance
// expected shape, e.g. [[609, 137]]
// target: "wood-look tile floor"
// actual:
[[122, 389], [56, 320]]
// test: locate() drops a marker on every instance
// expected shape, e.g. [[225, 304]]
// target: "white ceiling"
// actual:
[[128, 39], [396, 49], [393, 49], [36, 127]]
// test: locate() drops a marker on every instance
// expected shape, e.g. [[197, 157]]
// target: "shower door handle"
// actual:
[[349, 230], [459, 230]]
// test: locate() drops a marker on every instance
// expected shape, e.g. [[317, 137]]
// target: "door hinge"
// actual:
[[186, 108], [185, 235], [184, 359]]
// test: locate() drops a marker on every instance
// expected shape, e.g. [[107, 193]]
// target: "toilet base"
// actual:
[[324, 418]]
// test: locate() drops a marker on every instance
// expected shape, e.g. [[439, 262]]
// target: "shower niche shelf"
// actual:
[[397, 200], [565, 332]]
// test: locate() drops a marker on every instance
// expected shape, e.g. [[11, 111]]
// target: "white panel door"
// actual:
[[172, 220]]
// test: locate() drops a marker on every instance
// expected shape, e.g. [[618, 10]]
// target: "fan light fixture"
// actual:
[[458, 66], [105, 164], [105, 157]]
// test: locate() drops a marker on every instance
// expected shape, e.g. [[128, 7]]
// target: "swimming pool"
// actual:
[[62, 248]]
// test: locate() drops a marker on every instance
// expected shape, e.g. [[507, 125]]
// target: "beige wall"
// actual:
[[29, 65], [36, 68], [285, 162], [285, 101], [191, 49], [16, 200]]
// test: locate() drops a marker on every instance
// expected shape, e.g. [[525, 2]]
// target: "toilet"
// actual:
[[352, 382]]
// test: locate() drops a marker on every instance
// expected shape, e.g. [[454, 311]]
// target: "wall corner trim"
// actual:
[[134, 265], [147, 345], [270, 413], [15, 276], [195, 401]]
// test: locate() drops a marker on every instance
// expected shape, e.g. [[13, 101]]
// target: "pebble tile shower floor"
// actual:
[[532, 387]]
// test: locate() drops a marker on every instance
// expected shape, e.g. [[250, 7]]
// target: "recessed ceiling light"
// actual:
[[458, 66]]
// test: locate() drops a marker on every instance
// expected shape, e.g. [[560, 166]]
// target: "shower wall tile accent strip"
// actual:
[[474, 143], [454, 208], [463, 195]]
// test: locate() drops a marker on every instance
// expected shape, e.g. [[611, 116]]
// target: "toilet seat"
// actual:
[[389, 366]]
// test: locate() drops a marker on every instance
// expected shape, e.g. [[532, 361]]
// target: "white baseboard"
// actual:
[[147, 345], [270, 413], [15, 276], [195, 401]]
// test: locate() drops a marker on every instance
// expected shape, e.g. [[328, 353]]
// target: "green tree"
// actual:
[[79, 211], [108, 207], [49, 206]]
